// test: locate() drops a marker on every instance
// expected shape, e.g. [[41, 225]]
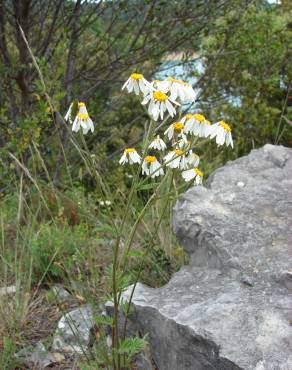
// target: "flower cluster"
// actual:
[[163, 99], [160, 96], [167, 96]]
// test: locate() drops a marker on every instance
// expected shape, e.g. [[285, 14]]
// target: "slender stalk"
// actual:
[[116, 293], [138, 220], [143, 259]]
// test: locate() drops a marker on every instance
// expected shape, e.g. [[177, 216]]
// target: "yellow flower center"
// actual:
[[225, 126], [171, 79], [160, 96], [199, 172], [208, 122], [178, 126], [199, 117], [83, 115], [81, 104], [136, 76], [150, 158], [189, 116], [178, 151], [130, 150]]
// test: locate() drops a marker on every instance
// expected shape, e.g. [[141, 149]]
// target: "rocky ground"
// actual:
[[230, 308]]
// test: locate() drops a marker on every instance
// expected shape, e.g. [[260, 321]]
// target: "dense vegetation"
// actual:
[[54, 222]]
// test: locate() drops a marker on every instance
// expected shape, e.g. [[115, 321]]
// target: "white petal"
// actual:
[[168, 156], [68, 114], [146, 99], [136, 87], [145, 169], [126, 83], [76, 125], [90, 124], [188, 174], [134, 156], [174, 163], [123, 159], [230, 140], [130, 85]]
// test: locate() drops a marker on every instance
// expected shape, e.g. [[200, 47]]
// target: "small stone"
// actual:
[[60, 293], [39, 356], [7, 290], [73, 332]]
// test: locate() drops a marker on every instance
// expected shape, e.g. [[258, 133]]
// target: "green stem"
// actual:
[[138, 220], [151, 242], [116, 293]]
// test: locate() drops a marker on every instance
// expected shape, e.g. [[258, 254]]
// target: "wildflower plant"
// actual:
[[166, 155]]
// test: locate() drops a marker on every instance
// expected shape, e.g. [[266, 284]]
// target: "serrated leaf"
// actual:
[[104, 320], [124, 306], [132, 346]]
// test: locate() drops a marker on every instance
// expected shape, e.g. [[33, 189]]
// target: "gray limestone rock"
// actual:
[[73, 332], [60, 293], [230, 308]]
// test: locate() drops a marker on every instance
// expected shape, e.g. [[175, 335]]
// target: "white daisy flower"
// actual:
[[67, 116], [82, 120], [136, 82], [222, 131], [193, 173], [189, 121], [130, 156], [160, 85], [176, 127], [151, 166], [181, 90], [158, 144], [159, 102], [202, 126], [190, 93], [197, 125], [176, 159], [193, 159]]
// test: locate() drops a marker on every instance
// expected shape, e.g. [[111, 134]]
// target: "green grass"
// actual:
[[40, 248]]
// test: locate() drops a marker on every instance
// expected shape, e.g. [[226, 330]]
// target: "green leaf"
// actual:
[[147, 186], [124, 306], [135, 253], [132, 346], [104, 320]]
